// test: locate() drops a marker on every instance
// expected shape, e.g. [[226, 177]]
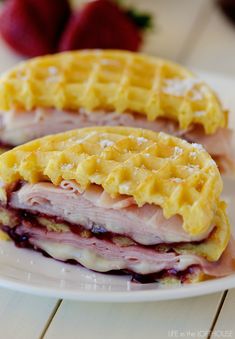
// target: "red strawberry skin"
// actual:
[[33, 27], [100, 24]]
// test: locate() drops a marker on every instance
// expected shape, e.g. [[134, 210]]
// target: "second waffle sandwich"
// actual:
[[56, 93]]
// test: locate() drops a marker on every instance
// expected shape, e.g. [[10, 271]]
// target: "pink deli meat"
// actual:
[[94, 208], [135, 258], [19, 127]]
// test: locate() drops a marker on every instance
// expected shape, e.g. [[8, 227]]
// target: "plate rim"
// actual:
[[172, 293]]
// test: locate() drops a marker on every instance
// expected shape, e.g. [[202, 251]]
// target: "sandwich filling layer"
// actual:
[[105, 234]]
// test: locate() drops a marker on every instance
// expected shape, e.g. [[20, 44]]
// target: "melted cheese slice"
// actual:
[[90, 259]]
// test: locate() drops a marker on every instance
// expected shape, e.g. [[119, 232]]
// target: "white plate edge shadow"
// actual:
[[182, 292], [148, 292]]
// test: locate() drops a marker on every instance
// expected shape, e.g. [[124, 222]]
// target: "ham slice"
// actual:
[[103, 256], [19, 127], [217, 144], [94, 209]]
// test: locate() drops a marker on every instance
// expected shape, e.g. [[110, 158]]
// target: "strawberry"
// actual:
[[103, 24], [228, 7], [33, 27]]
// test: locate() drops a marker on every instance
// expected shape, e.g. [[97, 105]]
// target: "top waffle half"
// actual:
[[112, 80], [154, 168]]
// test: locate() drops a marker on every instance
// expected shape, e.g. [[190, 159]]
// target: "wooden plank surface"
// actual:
[[23, 316], [141, 320], [225, 325]]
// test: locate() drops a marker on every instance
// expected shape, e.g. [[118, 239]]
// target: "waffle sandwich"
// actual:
[[52, 94], [118, 199]]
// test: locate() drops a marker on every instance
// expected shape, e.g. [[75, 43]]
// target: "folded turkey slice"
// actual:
[[94, 209]]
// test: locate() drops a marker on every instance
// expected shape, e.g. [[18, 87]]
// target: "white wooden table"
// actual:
[[195, 33]]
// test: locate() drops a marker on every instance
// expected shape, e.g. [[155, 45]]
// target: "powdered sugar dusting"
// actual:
[[199, 113], [199, 147], [124, 187], [177, 152], [110, 62], [212, 163], [193, 168], [53, 75], [196, 95], [80, 141], [106, 143], [179, 87], [52, 70], [140, 140], [193, 154], [177, 180], [164, 136], [66, 167]]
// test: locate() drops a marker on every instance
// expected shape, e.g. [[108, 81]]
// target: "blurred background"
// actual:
[[197, 33]]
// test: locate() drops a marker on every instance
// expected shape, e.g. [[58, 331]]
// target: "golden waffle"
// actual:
[[212, 248], [112, 80], [4, 236], [152, 167]]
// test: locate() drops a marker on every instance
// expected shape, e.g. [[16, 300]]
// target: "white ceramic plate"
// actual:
[[30, 272]]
